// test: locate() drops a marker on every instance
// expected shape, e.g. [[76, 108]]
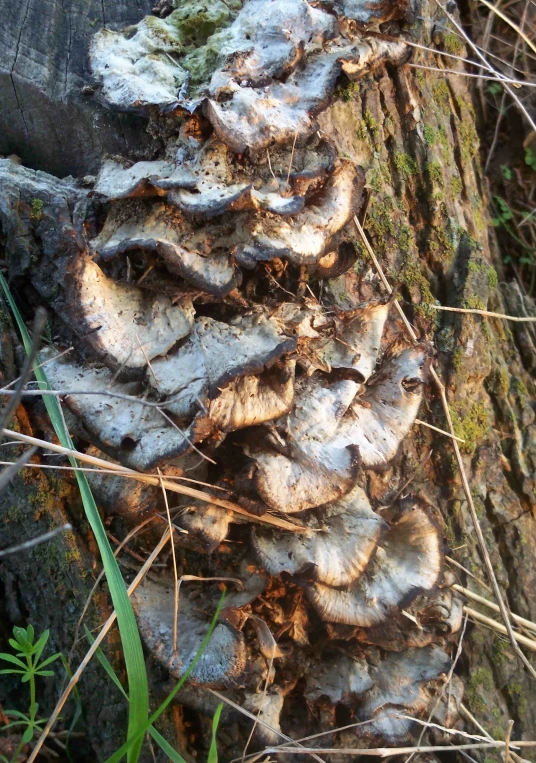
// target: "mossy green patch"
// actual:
[[468, 138], [516, 694], [371, 123], [480, 682], [197, 30], [493, 279], [435, 172], [471, 423], [452, 44], [347, 92], [456, 186], [37, 209], [442, 137], [429, 134], [405, 164], [413, 278], [441, 94]]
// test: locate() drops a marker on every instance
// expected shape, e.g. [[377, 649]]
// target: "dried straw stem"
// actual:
[[487, 313], [148, 479]]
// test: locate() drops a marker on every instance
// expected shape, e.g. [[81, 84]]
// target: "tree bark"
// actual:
[[414, 132]]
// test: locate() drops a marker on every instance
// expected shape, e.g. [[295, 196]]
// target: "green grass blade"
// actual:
[[104, 661], [117, 756], [213, 752], [170, 751], [128, 629], [156, 735]]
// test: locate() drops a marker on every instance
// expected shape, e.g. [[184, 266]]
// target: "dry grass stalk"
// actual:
[[267, 519], [500, 628], [487, 313], [388, 752], [437, 429], [175, 572], [481, 600]]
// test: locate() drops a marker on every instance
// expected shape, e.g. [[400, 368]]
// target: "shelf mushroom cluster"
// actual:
[[188, 352]]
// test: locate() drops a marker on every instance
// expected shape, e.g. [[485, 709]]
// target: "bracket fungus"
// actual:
[[126, 326], [314, 459], [407, 561], [224, 660], [345, 537], [199, 289]]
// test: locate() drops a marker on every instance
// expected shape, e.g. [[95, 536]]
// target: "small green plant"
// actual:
[[26, 663], [530, 158], [504, 213], [506, 172]]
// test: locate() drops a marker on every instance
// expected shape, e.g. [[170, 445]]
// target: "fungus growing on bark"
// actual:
[[224, 659], [336, 554], [253, 76], [315, 458], [219, 353], [117, 495], [136, 435], [154, 227], [408, 561], [208, 522], [262, 80], [400, 688], [304, 238], [339, 679], [126, 326]]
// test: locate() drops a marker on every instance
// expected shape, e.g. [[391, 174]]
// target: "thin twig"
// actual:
[[387, 752], [481, 600], [175, 573], [260, 722], [35, 541], [268, 519], [441, 431], [508, 21], [450, 560], [487, 313], [488, 77], [508, 735], [500, 628]]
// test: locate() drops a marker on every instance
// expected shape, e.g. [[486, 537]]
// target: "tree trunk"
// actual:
[[414, 133]]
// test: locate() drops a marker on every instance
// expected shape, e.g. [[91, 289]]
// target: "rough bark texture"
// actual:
[[414, 133], [46, 119]]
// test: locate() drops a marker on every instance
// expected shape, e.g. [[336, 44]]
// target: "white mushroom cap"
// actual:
[[125, 325], [216, 354], [383, 416], [339, 679], [400, 688], [155, 227], [332, 429], [407, 562], [303, 238], [224, 659], [345, 537], [208, 522], [137, 435]]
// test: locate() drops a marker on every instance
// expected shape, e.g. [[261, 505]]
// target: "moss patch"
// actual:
[[405, 164], [435, 172], [471, 423], [480, 682], [37, 209]]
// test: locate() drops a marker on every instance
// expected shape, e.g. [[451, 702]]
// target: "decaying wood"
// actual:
[[218, 277]]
